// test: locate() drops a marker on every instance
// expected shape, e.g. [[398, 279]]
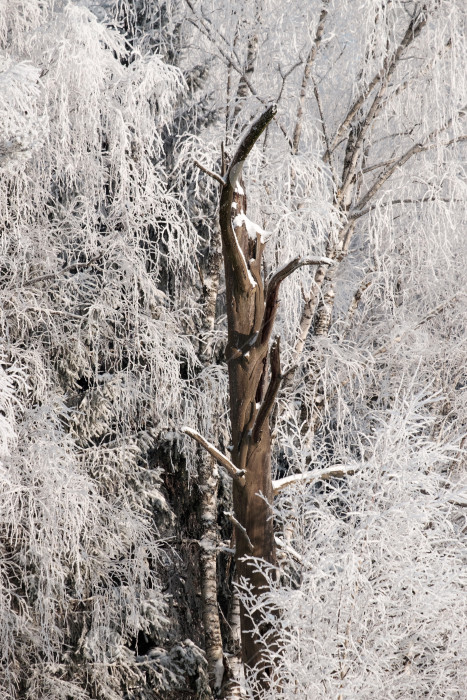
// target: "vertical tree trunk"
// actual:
[[254, 380], [251, 311]]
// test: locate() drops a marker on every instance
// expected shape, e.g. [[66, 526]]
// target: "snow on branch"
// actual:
[[338, 471], [284, 547], [235, 473]]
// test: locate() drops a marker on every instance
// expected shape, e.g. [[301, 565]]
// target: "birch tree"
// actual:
[[87, 335]]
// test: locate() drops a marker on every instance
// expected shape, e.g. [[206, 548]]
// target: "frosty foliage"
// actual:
[[374, 603], [92, 339], [105, 243]]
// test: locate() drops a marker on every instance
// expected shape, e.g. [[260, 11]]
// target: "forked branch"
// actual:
[[232, 250], [273, 290]]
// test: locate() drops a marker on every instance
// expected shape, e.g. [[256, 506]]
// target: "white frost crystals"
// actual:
[[23, 130], [86, 336]]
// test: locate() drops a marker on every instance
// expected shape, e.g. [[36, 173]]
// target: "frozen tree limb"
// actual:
[[338, 471], [306, 77], [246, 144], [215, 176], [402, 160], [235, 473], [413, 30]]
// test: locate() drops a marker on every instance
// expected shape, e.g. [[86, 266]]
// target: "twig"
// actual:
[[54, 275], [413, 30]]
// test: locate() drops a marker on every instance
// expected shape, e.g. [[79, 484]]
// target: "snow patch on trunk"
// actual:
[[252, 229]]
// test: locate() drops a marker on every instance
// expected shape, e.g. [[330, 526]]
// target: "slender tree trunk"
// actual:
[[208, 566]]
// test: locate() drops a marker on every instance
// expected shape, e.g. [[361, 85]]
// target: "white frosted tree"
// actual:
[[92, 339], [115, 309]]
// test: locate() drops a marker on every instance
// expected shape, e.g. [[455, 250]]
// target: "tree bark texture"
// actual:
[[247, 352], [254, 380]]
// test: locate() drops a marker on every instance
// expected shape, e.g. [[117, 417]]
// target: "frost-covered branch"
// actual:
[[284, 547], [338, 471], [235, 473], [306, 77]]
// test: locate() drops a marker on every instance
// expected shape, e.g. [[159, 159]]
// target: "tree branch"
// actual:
[[239, 527], [362, 212], [273, 290], [214, 176], [235, 473], [399, 162], [306, 77], [232, 251], [327, 155], [289, 550], [271, 392], [338, 471], [246, 144], [413, 30]]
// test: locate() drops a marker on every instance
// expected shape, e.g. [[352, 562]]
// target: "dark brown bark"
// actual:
[[253, 382], [247, 354]]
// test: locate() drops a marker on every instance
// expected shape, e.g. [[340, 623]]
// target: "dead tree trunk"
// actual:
[[254, 380]]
